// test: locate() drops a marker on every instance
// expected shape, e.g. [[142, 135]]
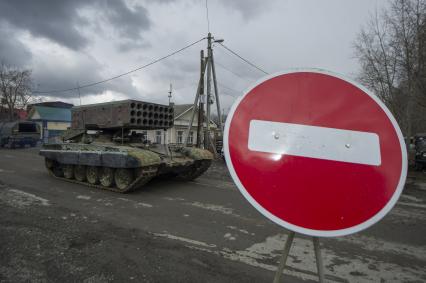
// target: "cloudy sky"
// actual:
[[66, 43]]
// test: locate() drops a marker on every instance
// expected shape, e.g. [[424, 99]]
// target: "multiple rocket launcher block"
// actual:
[[122, 114]]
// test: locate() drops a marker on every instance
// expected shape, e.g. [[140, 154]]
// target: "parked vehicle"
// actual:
[[19, 134]]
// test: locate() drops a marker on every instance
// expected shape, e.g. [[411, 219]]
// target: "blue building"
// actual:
[[52, 120]]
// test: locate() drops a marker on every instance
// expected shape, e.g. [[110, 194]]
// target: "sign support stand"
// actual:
[[286, 252]]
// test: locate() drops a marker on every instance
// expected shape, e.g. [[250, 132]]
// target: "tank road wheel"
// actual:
[[92, 175], [123, 178], [106, 176], [68, 171], [80, 173]]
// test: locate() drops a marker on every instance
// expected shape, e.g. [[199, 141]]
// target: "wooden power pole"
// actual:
[[201, 99]]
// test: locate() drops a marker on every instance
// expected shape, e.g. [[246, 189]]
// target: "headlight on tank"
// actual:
[[424, 154]]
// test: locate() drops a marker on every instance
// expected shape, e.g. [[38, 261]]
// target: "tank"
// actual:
[[106, 148]]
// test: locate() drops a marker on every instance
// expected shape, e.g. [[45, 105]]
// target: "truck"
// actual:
[[19, 134]]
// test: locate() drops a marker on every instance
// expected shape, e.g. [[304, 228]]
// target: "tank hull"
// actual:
[[121, 168]]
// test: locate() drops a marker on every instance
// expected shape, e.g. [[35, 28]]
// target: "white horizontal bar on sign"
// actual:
[[314, 142]]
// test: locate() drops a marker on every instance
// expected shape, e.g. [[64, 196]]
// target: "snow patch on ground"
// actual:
[[186, 240], [229, 236], [240, 230], [212, 207], [21, 199], [358, 267], [83, 197], [411, 198], [143, 204]]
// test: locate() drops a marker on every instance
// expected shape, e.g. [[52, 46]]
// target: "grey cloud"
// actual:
[[50, 19], [247, 8], [60, 21], [129, 22], [12, 51], [56, 77]]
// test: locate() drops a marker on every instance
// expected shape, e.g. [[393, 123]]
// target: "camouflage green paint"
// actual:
[[197, 153], [145, 157], [106, 176], [123, 178], [92, 174]]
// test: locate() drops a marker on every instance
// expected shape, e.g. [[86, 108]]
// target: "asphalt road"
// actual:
[[201, 231]]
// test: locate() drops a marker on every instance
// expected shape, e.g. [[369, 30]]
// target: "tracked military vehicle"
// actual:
[[106, 148]]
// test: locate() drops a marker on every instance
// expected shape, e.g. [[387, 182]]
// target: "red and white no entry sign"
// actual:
[[315, 152]]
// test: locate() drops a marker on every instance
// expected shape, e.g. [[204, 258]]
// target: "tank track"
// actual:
[[148, 173], [196, 171]]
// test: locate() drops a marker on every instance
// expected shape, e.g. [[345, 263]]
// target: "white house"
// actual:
[[177, 133]]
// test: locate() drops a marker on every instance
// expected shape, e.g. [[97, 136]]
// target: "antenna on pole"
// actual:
[[83, 113], [79, 94], [170, 93]]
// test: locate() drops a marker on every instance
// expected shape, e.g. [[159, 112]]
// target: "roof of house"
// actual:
[[181, 108], [56, 104], [52, 113]]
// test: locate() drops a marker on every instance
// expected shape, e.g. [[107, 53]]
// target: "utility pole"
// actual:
[[200, 118], [207, 139], [197, 97], [208, 69], [165, 135]]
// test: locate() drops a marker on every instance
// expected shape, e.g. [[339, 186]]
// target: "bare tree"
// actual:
[[391, 50], [15, 88]]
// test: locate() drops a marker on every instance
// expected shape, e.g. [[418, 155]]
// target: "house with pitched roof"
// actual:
[[52, 120], [177, 133]]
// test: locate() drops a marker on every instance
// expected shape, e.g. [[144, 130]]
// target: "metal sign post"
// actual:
[[286, 252]]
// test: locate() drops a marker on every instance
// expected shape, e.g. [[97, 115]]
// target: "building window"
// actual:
[[158, 137], [179, 137], [191, 137]]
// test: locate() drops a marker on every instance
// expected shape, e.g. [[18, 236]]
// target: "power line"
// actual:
[[245, 60], [123, 74], [229, 88], [232, 72], [228, 94]]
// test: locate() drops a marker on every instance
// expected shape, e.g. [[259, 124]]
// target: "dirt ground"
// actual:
[[200, 231], [46, 243]]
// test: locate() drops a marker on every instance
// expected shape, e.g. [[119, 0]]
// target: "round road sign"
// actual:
[[315, 152]]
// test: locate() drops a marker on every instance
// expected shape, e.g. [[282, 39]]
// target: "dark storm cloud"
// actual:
[[85, 72], [50, 19], [129, 22], [12, 51], [59, 20], [62, 23]]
